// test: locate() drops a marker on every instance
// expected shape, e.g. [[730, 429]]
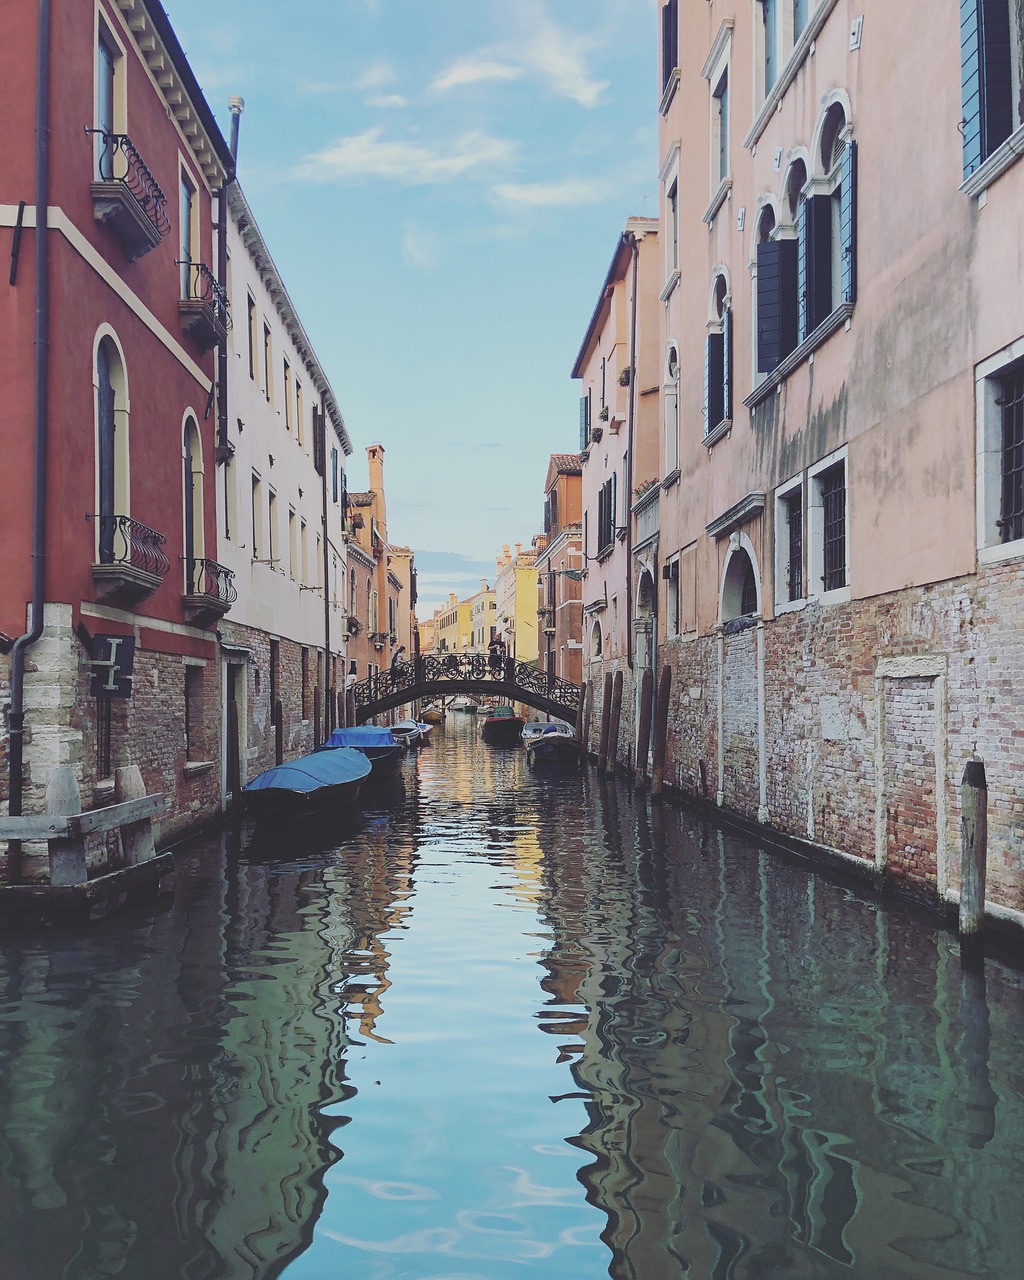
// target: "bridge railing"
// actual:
[[442, 671]]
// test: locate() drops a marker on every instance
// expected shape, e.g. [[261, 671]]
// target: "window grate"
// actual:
[[795, 522], [103, 755], [1011, 402], [832, 485], [748, 596]]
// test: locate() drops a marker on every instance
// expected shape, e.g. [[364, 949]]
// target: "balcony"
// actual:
[[203, 305], [379, 639], [211, 590], [132, 563], [126, 196]]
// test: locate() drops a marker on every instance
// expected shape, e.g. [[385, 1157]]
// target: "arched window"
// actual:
[[826, 226], [596, 645], [740, 590], [194, 540], [111, 453], [776, 296], [718, 358]]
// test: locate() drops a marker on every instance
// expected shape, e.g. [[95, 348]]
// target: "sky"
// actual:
[[442, 184]]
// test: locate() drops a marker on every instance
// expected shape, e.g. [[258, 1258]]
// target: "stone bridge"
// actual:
[[433, 676]]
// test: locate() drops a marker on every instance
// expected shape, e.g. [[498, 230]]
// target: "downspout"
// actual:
[[42, 369], [327, 581], [631, 240]]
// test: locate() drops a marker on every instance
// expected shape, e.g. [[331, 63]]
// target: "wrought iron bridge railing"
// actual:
[[125, 541], [447, 672], [199, 284], [119, 161], [212, 581]]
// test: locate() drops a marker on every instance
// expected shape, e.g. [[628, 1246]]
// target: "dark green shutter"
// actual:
[[777, 295], [713, 403], [818, 220], [584, 421], [669, 41], [848, 225], [727, 363]]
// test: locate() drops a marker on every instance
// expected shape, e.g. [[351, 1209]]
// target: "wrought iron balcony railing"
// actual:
[[203, 304], [211, 586], [124, 541], [118, 161]]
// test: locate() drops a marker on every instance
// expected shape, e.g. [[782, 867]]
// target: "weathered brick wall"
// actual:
[[740, 753], [595, 675], [825, 738]]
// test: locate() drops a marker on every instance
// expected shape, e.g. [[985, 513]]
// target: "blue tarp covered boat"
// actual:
[[323, 779], [376, 742]]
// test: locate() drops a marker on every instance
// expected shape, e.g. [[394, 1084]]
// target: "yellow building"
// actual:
[[452, 626], [515, 595]]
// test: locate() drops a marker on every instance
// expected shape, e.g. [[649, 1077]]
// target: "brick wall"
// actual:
[[848, 747]]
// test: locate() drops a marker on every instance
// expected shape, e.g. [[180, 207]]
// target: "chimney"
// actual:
[[236, 106]]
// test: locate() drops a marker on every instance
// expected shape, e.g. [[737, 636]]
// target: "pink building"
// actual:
[[560, 570], [842, 410], [618, 366]]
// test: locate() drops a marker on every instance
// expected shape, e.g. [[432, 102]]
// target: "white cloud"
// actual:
[[386, 101], [368, 155], [560, 59], [375, 76], [474, 70], [561, 193], [421, 248]]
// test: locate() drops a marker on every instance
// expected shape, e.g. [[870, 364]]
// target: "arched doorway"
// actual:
[[644, 644]]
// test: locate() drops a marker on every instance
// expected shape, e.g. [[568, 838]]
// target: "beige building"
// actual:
[[515, 599], [452, 626], [841, 503]]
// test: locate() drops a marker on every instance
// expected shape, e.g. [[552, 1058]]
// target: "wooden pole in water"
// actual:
[[974, 846], [581, 715], [643, 737], [616, 720], [606, 712], [660, 733]]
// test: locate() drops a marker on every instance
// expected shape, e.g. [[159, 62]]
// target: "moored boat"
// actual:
[[433, 715], [555, 744], [502, 725], [426, 729], [325, 779], [376, 742], [407, 732]]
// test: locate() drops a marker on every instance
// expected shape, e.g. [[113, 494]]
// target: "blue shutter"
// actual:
[[777, 291], [727, 363], [986, 78], [802, 254], [848, 225], [613, 515]]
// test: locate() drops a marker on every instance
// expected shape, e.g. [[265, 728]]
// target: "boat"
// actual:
[[462, 703], [376, 742], [536, 727], [554, 744], [325, 779], [407, 732], [503, 725], [433, 715], [426, 729]]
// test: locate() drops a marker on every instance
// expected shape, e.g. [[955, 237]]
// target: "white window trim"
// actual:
[[988, 428], [813, 521], [782, 602], [668, 177], [716, 66], [789, 72]]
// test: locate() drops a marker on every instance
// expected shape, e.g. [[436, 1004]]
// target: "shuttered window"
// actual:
[[584, 421], [714, 404], [986, 78], [848, 225], [669, 41], [1011, 507], [832, 488], [776, 302]]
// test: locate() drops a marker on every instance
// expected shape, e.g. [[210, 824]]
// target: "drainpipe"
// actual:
[[42, 349], [236, 106], [326, 549], [631, 240]]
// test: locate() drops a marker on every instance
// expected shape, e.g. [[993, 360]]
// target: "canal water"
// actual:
[[505, 1025]]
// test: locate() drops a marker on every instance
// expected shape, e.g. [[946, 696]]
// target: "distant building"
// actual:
[[483, 624], [452, 626], [560, 569], [515, 601]]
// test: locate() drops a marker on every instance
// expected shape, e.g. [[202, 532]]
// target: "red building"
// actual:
[[109, 414]]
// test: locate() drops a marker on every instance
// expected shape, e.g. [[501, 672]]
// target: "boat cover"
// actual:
[[312, 773], [362, 735]]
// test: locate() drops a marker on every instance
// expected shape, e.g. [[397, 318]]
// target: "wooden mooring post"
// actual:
[[643, 737], [614, 724], [660, 733], [606, 715], [974, 849]]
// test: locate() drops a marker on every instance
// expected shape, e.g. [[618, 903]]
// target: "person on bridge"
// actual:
[[396, 659], [494, 657]]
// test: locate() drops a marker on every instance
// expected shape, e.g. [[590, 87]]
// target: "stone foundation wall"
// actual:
[[872, 709]]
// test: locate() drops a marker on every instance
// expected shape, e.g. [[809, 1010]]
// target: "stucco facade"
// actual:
[[838, 517]]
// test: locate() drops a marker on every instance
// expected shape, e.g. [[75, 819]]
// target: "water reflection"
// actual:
[[323, 1058]]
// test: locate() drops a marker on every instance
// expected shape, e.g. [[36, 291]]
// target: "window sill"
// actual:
[[670, 92], [671, 479], [1001, 551], [193, 768], [605, 553], [790, 71], [790, 606], [670, 285], [717, 200], [995, 165], [796, 357], [718, 433], [841, 595]]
